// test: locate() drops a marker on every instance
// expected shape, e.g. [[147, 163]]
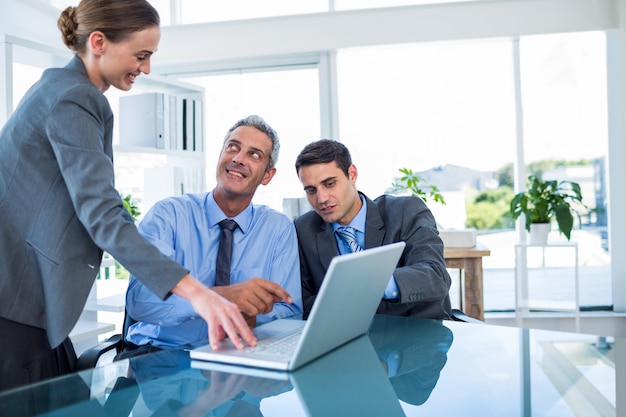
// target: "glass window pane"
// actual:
[[428, 106], [163, 7], [28, 65], [446, 111], [24, 76], [287, 99], [564, 93], [565, 119]]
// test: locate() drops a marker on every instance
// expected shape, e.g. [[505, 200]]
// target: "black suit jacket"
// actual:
[[421, 274]]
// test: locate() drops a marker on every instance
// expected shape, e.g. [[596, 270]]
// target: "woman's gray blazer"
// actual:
[[59, 208]]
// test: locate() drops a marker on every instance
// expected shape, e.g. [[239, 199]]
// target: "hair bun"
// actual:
[[68, 24]]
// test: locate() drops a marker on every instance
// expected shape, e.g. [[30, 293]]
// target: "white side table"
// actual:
[[525, 303]]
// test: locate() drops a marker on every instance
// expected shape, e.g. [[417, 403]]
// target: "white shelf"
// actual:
[[86, 329], [524, 303], [113, 303], [158, 151]]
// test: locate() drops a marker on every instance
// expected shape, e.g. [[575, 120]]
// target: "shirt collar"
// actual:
[[358, 222], [216, 215]]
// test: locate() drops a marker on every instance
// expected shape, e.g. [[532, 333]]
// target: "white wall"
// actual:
[[253, 39], [300, 34], [215, 44], [32, 20]]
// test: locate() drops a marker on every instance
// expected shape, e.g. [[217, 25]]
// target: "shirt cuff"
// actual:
[[392, 292]]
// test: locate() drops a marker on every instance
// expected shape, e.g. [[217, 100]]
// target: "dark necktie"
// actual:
[[224, 253], [348, 234]]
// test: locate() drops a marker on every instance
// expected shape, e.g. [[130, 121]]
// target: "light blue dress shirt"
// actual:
[[358, 223], [186, 229]]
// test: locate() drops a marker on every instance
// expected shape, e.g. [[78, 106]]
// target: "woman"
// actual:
[[58, 204]]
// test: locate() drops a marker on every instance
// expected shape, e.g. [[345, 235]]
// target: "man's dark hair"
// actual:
[[322, 152]]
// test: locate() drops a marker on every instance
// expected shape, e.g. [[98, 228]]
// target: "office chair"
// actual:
[[124, 392], [89, 358]]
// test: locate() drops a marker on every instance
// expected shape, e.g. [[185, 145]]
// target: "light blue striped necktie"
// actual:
[[348, 234]]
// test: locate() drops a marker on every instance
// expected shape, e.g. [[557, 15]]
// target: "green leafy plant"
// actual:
[[417, 186], [120, 272], [546, 200], [131, 205]]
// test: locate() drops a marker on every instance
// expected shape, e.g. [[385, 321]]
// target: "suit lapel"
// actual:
[[326, 244], [374, 234], [374, 226]]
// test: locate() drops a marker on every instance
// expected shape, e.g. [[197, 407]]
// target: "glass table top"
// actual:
[[402, 367]]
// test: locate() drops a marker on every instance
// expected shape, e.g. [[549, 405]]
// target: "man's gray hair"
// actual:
[[258, 123]]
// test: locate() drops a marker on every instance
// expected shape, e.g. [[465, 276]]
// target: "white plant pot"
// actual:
[[539, 233]]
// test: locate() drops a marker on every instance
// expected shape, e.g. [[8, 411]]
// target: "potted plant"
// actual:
[[546, 200]]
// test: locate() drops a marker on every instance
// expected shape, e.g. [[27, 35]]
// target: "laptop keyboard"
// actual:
[[280, 345]]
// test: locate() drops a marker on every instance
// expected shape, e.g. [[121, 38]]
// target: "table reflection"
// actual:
[[403, 367], [399, 360], [413, 352], [169, 386]]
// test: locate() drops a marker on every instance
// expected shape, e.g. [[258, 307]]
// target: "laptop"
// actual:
[[355, 383], [343, 310]]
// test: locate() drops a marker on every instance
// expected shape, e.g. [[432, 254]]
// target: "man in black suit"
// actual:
[[420, 283]]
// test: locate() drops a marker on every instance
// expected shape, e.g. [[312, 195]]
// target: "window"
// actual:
[[288, 99], [24, 77], [428, 105], [564, 93], [449, 107]]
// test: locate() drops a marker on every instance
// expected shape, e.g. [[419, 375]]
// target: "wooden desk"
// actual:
[[470, 262]]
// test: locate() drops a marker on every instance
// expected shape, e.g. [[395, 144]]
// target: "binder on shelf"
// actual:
[[198, 130], [143, 121], [180, 123], [162, 182], [188, 127], [161, 121], [173, 112], [163, 141], [193, 125]]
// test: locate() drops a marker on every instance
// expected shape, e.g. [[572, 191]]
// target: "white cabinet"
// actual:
[[150, 175], [159, 139], [539, 283]]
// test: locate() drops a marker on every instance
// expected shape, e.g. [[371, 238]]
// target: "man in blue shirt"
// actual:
[[265, 268]]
